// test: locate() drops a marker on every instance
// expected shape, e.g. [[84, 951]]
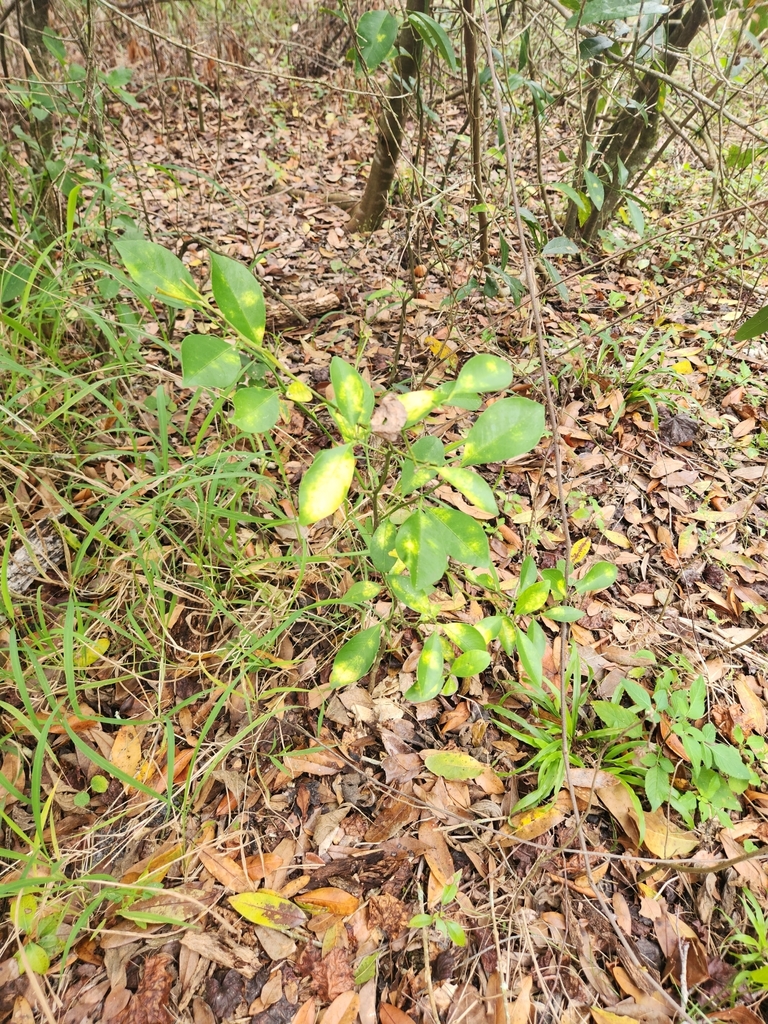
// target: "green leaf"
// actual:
[[353, 396], [37, 958], [268, 909], [81, 799], [454, 765], [381, 544], [530, 647], [461, 536], [360, 593], [355, 657], [256, 409], [561, 246], [422, 549], [595, 189], [489, 627], [563, 613], [456, 933], [366, 969], [208, 362], [615, 10], [600, 576], [472, 486], [297, 391], [636, 217], [484, 373], [413, 476], [614, 716], [419, 404], [757, 324], [239, 297], [429, 449], [728, 761], [594, 45], [528, 573], [532, 598], [510, 427], [325, 484], [376, 32], [435, 37], [657, 787], [160, 273], [466, 637], [429, 671], [420, 921], [418, 600], [99, 784], [570, 193], [472, 663]]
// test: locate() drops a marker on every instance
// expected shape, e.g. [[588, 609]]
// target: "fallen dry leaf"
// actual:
[[150, 1001], [306, 1012], [520, 1010], [663, 838], [389, 1014], [343, 1009], [337, 901]]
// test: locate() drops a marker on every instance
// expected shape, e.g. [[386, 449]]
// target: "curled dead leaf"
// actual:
[[330, 898]]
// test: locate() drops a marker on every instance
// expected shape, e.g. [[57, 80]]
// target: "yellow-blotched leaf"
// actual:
[[269, 909], [683, 367], [453, 764], [91, 651], [337, 901], [580, 550]]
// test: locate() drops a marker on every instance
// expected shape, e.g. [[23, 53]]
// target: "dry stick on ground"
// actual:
[[537, 319]]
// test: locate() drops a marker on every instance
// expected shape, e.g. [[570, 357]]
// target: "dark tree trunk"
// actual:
[[634, 132], [368, 214]]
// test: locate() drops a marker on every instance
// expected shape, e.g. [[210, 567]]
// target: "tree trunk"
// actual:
[[634, 132], [369, 212]]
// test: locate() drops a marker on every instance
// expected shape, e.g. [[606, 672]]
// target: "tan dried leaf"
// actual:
[[754, 709], [521, 1008], [343, 1009], [225, 870], [389, 1014], [306, 1012], [330, 898], [150, 1001]]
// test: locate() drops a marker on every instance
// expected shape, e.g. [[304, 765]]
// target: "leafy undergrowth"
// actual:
[[219, 801]]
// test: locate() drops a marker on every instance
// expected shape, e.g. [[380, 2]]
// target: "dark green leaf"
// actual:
[[422, 549], [756, 325], [429, 671], [239, 297], [160, 273], [471, 663], [485, 373], [356, 657], [600, 576], [256, 409], [435, 36], [353, 396], [208, 362], [382, 543], [510, 427], [461, 536], [376, 32]]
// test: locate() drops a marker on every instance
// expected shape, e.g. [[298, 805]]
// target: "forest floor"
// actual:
[[137, 655]]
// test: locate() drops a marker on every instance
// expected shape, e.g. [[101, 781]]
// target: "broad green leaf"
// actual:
[[382, 544], [37, 958], [355, 657], [489, 627], [507, 635], [657, 786], [728, 761], [528, 573], [570, 192], [297, 391], [472, 486], [594, 45], [595, 189], [600, 576], [360, 592], [454, 765], [637, 218], [615, 10], [376, 32], [530, 648], [562, 613], [429, 449], [510, 427], [424, 921], [466, 637], [422, 549], [413, 477], [159, 272], [757, 324], [353, 396], [268, 909], [405, 592], [532, 598], [561, 246], [429, 671], [239, 297], [419, 404], [256, 409], [485, 373], [325, 484], [435, 36], [456, 933], [366, 969], [614, 716], [208, 362], [461, 537], [472, 663]]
